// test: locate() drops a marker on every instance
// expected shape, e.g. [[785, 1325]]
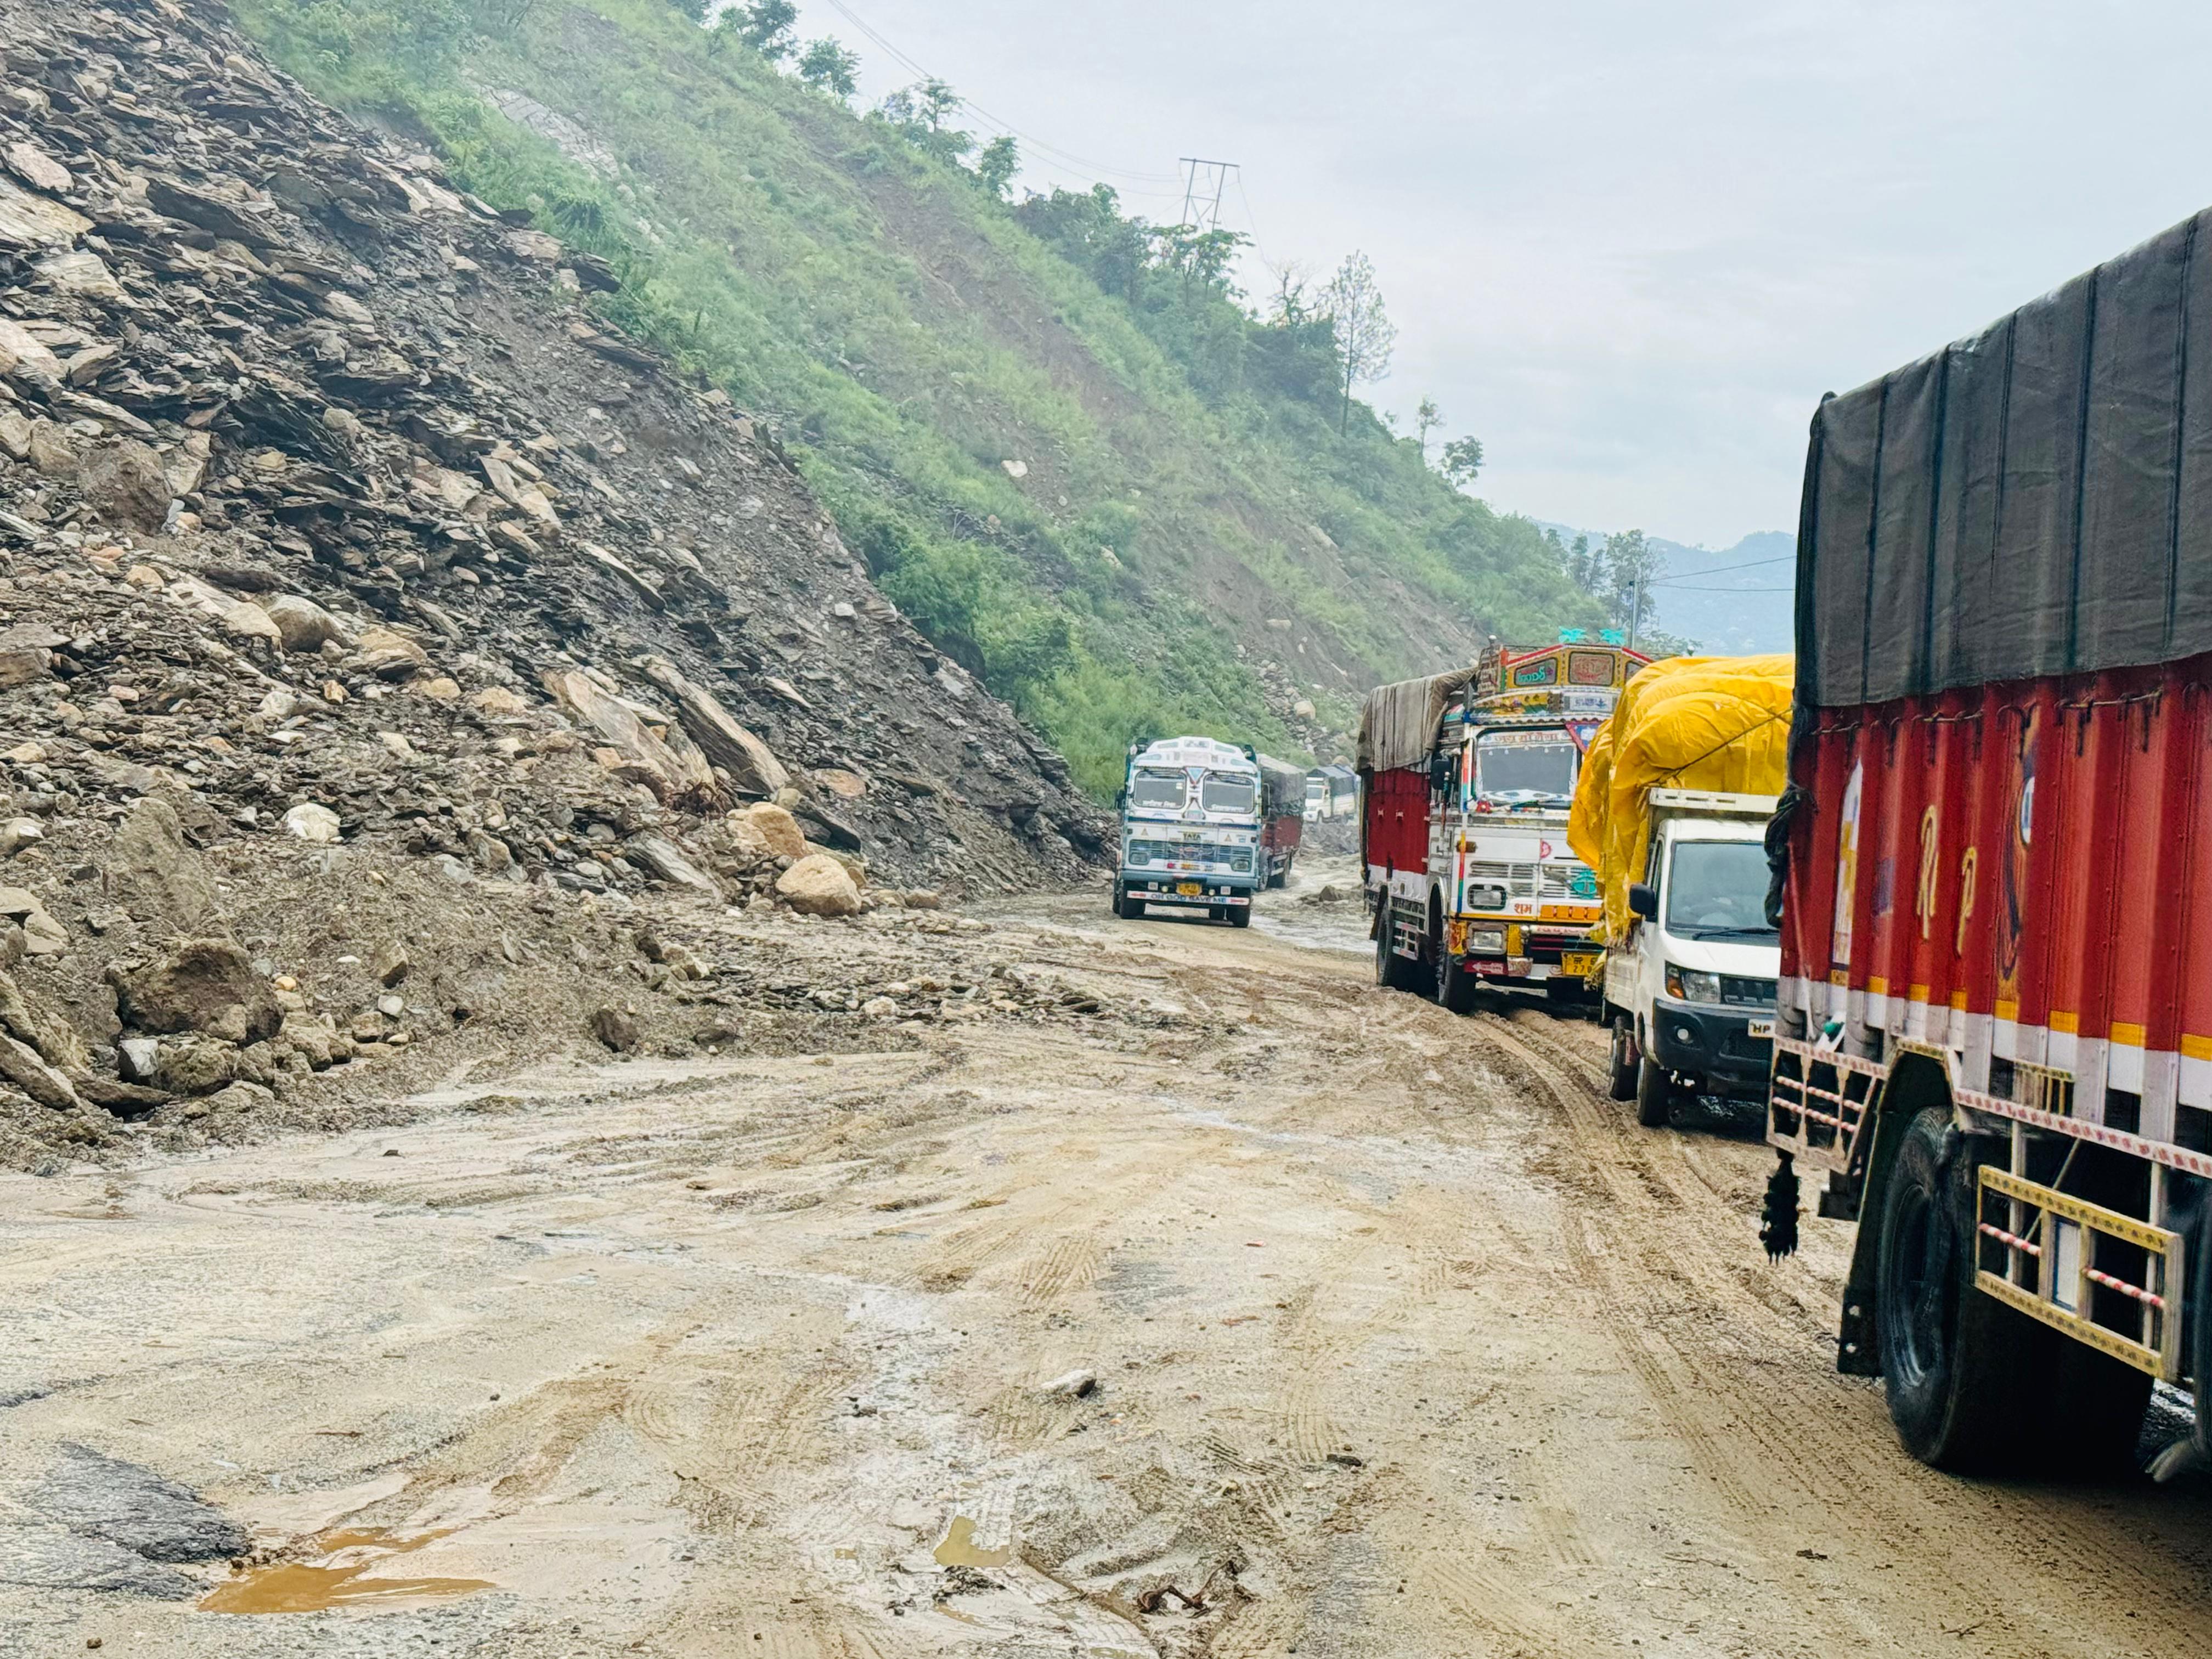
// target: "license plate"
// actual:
[[1192, 890], [1759, 1028], [1578, 964]]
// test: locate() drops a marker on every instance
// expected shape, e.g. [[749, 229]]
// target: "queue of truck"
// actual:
[[1935, 892]]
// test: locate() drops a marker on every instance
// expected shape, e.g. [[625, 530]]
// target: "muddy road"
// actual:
[[1245, 1311]]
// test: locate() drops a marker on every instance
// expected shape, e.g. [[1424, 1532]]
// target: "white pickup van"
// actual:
[[1689, 991]]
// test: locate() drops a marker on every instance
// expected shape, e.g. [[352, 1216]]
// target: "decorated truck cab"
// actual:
[[1191, 830], [1467, 780]]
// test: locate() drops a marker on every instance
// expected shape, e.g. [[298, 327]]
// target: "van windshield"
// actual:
[[1158, 788], [1717, 890]]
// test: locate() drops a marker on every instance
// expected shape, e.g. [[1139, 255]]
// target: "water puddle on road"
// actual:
[[304, 1587], [960, 1548]]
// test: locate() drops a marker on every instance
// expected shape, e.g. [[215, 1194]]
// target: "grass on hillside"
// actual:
[[910, 333]]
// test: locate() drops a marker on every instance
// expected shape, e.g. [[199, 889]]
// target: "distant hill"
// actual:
[[1744, 608]]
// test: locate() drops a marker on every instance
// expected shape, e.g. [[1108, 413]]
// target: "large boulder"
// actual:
[[768, 831], [203, 985], [663, 759], [303, 624], [158, 876], [751, 766], [195, 1064], [124, 485], [22, 1065], [42, 935], [818, 885], [388, 654]]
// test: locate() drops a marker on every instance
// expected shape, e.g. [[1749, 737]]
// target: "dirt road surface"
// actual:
[[1259, 1312]]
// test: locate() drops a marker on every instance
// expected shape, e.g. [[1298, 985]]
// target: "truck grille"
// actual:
[[1748, 993], [1519, 880], [1548, 882]]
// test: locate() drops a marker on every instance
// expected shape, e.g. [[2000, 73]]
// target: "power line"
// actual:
[[1722, 569], [1065, 157], [1253, 220], [1727, 590]]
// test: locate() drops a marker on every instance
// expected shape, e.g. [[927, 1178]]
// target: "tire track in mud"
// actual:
[[1811, 1425]]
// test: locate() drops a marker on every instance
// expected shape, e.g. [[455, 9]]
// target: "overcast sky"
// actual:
[[1626, 245]]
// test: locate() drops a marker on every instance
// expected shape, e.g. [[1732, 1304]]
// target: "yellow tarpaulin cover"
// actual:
[[1718, 723]]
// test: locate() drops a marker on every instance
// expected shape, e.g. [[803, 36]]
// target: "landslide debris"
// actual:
[[360, 592]]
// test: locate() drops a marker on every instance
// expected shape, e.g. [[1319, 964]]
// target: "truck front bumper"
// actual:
[[1714, 1045], [1211, 890]]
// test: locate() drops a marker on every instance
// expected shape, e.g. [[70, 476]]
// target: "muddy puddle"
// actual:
[[340, 1577], [960, 1548]]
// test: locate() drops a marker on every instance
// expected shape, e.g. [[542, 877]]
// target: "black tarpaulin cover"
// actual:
[[2034, 500]]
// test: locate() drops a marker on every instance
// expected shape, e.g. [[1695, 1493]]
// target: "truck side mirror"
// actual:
[[1440, 774], [1644, 901], [1121, 798]]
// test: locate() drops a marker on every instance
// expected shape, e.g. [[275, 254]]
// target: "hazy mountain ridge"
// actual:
[[1743, 608]]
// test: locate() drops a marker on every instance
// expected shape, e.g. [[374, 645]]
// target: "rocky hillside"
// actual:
[[345, 554], [1126, 497]]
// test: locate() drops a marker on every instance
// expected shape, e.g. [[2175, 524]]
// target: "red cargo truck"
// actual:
[[1994, 1021]]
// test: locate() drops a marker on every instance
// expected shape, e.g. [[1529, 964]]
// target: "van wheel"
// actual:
[[1655, 1095], [1958, 1364], [1620, 1078]]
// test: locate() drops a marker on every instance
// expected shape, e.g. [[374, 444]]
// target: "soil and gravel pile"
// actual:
[[351, 568]]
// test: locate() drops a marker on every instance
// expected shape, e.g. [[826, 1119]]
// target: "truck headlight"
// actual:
[[1688, 985], [1241, 863], [1486, 898], [1486, 941]]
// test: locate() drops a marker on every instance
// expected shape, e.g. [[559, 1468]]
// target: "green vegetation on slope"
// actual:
[[1056, 435]]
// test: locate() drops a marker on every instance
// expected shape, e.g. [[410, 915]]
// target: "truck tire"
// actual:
[[1655, 1095], [1240, 915], [1132, 908], [2197, 1338], [1621, 1072], [1960, 1369], [1454, 986], [1390, 971]]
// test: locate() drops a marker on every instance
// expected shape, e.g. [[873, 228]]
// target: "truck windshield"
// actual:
[[1717, 890], [1156, 788], [1226, 791], [1525, 768]]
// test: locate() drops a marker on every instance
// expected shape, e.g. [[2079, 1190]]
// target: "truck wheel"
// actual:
[[1655, 1095], [1240, 915], [1620, 1080], [1132, 908], [1454, 987], [1389, 974], [1958, 1364], [2197, 1264]]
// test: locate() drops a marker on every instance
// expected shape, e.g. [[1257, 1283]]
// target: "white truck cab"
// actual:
[[1690, 991]]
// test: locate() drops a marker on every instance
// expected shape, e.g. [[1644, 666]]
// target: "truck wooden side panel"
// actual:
[[1395, 835], [2021, 871]]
